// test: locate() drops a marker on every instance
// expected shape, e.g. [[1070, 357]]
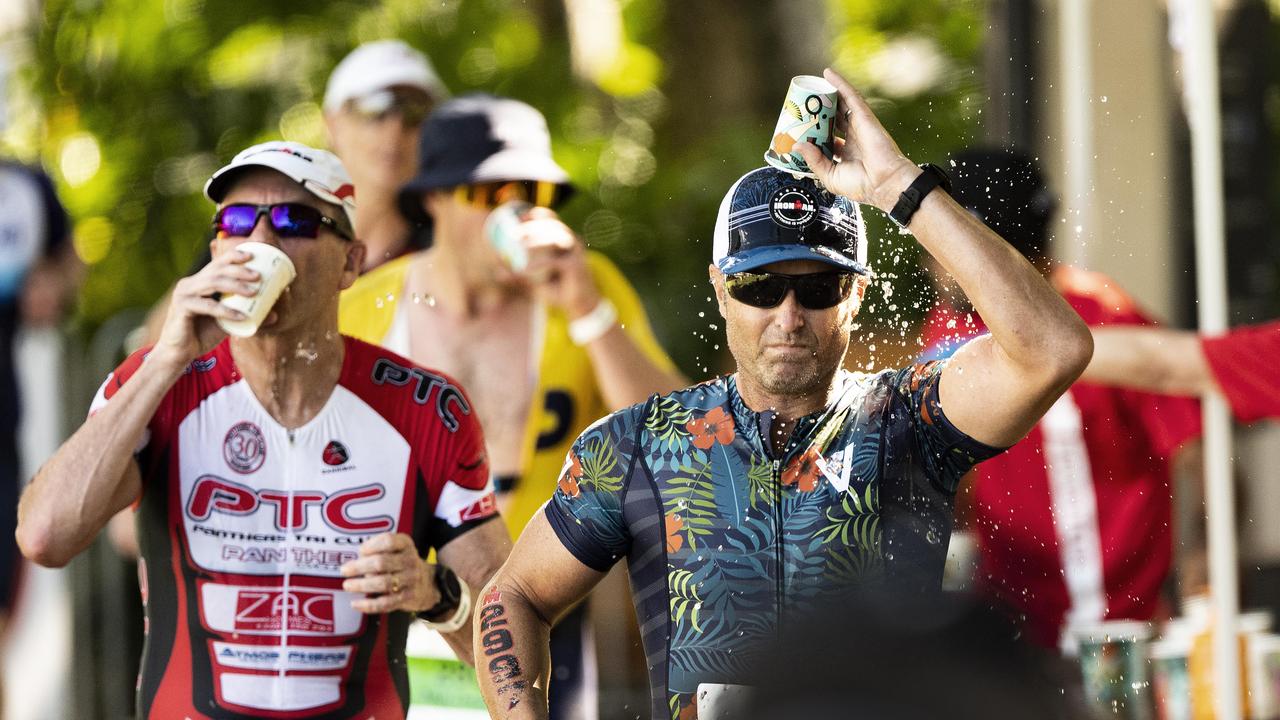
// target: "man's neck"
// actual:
[[382, 229], [786, 408], [459, 282], [292, 374]]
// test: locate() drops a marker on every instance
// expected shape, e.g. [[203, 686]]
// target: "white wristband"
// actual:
[[592, 326], [461, 616]]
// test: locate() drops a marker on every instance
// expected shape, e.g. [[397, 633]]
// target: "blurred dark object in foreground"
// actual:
[[894, 658]]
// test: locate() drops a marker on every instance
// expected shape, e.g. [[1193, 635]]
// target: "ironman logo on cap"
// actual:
[[793, 206]]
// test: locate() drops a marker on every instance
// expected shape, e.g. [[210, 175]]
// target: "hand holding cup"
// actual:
[[276, 272], [868, 167], [545, 253]]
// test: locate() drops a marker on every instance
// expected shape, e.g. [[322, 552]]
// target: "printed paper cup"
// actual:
[[808, 114]]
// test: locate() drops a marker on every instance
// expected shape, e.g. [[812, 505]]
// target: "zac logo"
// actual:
[[268, 610], [214, 494]]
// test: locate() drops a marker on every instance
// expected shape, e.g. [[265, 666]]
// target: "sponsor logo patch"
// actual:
[[335, 453], [275, 657], [268, 611], [201, 366], [482, 508], [244, 448]]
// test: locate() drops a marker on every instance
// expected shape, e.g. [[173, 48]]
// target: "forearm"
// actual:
[[512, 651], [1031, 323], [624, 373], [1170, 362], [475, 557], [92, 475]]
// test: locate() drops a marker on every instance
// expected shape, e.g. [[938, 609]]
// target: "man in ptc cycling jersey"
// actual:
[[741, 502], [286, 485]]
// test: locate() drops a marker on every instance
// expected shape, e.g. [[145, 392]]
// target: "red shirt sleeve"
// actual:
[[1243, 364], [1167, 421]]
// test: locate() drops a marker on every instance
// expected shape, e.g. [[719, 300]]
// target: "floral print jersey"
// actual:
[[726, 543]]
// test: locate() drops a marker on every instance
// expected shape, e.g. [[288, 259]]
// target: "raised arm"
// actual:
[[995, 388], [1170, 362], [628, 363], [94, 474], [539, 583]]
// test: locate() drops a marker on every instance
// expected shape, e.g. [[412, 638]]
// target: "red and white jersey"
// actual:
[[244, 524], [1073, 522]]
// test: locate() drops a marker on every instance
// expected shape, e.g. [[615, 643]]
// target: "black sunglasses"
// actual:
[[816, 291], [288, 220]]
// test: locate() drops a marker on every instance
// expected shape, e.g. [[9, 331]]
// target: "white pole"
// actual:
[[1201, 77], [1077, 128]]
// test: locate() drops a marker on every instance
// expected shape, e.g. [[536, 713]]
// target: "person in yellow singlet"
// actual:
[[547, 336]]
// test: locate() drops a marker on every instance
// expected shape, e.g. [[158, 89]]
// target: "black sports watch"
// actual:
[[450, 596], [910, 199]]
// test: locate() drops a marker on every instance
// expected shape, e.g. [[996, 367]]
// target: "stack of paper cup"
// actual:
[[1264, 676], [1170, 672], [1113, 661], [1255, 629], [275, 272]]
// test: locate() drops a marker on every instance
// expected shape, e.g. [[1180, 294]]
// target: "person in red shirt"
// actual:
[[1073, 522], [1239, 364]]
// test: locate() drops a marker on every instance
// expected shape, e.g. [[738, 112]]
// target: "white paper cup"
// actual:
[[275, 272]]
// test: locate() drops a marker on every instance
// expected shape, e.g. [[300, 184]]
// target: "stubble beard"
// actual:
[[798, 379]]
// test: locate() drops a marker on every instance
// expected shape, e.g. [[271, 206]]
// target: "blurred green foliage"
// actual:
[[135, 102]]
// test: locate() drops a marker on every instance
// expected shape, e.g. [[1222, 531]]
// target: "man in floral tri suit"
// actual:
[[742, 503]]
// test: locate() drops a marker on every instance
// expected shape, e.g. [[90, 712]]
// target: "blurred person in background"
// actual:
[[544, 349], [374, 106], [39, 272], [746, 503], [1073, 523], [286, 485]]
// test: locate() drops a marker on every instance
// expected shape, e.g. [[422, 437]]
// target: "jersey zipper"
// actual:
[[286, 588], [777, 545]]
